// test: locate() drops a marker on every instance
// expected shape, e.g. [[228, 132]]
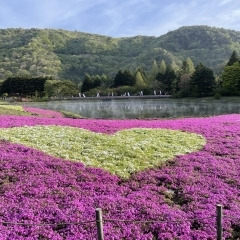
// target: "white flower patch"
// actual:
[[123, 153]]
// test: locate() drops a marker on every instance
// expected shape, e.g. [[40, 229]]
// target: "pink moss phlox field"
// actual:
[[43, 112], [38, 188]]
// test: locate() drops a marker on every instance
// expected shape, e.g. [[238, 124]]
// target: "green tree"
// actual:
[[190, 65], [184, 83], [154, 71], [49, 88], [60, 88], [163, 67], [87, 83], [8, 74], [106, 81], [24, 85], [97, 81], [139, 79], [233, 58], [69, 88], [143, 74], [129, 79], [119, 79], [174, 66], [187, 66], [202, 81], [23, 73], [125, 78], [231, 79], [184, 77], [166, 79]]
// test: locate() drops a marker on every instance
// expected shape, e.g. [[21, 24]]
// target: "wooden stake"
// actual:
[[99, 224], [219, 222]]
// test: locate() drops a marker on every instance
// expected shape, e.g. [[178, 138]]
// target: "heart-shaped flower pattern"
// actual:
[[123, 153]]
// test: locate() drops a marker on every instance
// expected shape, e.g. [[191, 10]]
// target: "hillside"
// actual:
[[70, 54]]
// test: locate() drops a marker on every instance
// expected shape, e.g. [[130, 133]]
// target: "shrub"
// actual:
[[217, 96]]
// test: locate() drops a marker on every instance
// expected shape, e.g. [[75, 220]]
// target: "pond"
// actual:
[[143, 108]]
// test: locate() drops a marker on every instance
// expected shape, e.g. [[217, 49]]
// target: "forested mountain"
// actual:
[[70, 54]]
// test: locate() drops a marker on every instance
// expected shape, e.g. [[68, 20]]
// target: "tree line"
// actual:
[[37, 87], [184, 81]]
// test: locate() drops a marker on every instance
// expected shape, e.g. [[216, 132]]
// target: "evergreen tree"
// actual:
[[170, 76], [231, 79], [163, 67], [202, 81], [190, 65], [187, 66], [154, 71], [166, 79], [184, 83], [125, 78], [139, 80], [118, 80], [143, 74], [233, 58], [106, 81], [160, 77], [87, 83], [97, 81], [129, 79], [184, 77], [175, 67]]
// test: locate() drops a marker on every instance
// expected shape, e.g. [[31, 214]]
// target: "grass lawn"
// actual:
[[6, 109]]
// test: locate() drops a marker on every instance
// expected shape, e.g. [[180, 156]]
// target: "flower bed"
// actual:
[[39, 188], [122, 153], [43, 112]]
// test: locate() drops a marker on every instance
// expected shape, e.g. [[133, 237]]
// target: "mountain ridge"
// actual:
[[68, 54]]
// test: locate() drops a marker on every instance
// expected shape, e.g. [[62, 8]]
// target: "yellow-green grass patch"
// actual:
[[123, 153]]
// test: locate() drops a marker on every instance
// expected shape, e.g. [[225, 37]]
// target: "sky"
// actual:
[[119, 18]]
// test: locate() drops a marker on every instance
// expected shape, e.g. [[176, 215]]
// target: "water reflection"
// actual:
[[142, 108]]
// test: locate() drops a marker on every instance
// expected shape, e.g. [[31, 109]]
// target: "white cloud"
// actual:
[[119, 18], [224, 2]]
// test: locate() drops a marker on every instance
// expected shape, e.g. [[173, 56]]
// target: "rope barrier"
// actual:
[[99, 222], [114, 220], [157, 221], [47, 224], [234, 218], [107, 220]]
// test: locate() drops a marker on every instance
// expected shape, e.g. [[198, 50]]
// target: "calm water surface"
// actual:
[[142, 108]]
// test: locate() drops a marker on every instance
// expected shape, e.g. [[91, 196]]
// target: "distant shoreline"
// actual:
[[109, 98]]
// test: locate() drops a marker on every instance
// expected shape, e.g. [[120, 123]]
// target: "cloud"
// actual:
[[203, 12], [119, 18], [224, 2]]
